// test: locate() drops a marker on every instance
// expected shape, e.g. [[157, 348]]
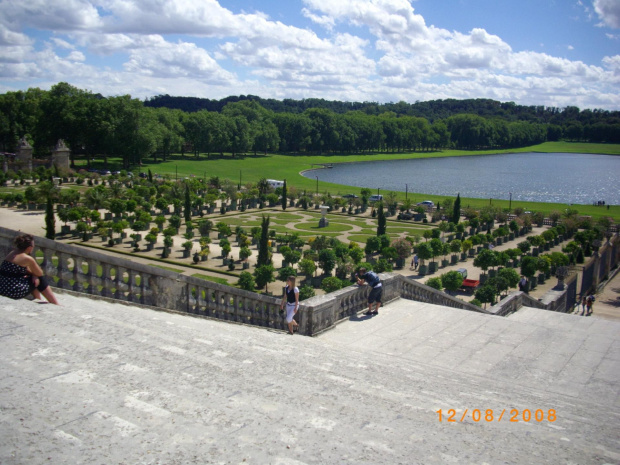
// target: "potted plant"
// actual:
[[84, 229], [136, 241], [151, 239], [168, 242], [455, 247], [425, 252], [244, 254], [437, 250], [403, 250], [187, 248]]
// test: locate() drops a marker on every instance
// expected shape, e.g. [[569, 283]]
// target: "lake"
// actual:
[[542, 177]]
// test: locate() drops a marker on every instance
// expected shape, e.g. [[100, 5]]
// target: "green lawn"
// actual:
[[211, 278], [314, 227], [169, 268], [288, 167]]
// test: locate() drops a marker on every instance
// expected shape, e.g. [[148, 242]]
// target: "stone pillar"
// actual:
[[324, 222], [24, 155], [60, 156]]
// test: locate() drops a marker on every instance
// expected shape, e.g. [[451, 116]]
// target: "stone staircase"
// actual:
[[94, 382]]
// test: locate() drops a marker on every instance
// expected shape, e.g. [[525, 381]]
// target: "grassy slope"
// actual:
[[288, 167]]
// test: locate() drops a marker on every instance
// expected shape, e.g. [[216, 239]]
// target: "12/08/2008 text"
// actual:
[[488, 415]]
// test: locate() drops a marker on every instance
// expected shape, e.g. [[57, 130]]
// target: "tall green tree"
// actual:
[[187, 211], [456, 209], [284, 196], [50, 220], [263, 275], [381, 220], [264, 257]]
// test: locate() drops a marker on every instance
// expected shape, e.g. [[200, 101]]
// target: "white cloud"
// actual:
[[62, 43], [10, 38], [325, 21], [76, 56], [156, 57], [389, 53], [613, 64], [609, 12], [108, 44], [57, 15]]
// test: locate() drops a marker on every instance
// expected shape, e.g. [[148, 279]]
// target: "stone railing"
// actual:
[[559, 299], [323, 312], [105, 276]]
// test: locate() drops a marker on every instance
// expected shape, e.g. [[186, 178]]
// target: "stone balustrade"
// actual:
[[101, 275], [320, 313], [105, 276]]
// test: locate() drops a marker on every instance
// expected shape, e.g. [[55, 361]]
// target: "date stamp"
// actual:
[[489, 415]]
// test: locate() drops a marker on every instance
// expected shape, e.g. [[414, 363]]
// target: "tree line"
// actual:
[[121, 126], [570, 123]]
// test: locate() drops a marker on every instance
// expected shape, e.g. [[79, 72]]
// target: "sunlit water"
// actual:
[[542, 177]]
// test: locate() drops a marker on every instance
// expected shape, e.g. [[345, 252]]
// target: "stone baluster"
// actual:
[[231, 307], [118, 284], [243, 310], [63, 273], [131, 286], [207, 301], [263, 313], [250, 310], [106, 280], [78, 274], [276, 320], [201, 293], [48, 263], [223, 302], [91, 276]]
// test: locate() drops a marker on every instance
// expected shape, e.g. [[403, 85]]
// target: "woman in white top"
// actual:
[[291, 299]]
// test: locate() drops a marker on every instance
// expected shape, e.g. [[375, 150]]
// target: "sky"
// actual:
[[554, 53]]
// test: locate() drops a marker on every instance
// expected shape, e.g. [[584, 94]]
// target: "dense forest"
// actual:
[[91, 124]]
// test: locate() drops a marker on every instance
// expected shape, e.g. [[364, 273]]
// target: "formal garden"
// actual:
[[253, 235]]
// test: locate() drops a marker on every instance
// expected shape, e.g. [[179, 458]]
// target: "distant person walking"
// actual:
[[584, 305], [371, 279], [523, 284], [415, 262], [20, 274], [291, 299], [589, 302]]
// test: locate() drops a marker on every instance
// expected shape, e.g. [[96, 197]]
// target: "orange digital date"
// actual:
[[488, 415]]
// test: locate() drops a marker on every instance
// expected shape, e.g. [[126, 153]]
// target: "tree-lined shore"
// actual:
[[96, 126]]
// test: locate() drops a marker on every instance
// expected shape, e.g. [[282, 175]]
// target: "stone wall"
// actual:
[[105, 276], [557, 299], [597, 269], [320, 313], [100, 275]]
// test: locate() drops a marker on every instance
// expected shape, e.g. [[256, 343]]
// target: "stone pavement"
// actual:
[[94, 382]]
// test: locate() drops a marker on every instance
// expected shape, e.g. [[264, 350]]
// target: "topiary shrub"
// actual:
[[246, 281], [331, 284], [435, 283], [305, 292]]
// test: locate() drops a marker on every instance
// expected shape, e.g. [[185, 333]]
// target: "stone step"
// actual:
[[531, 348], [94, 382]]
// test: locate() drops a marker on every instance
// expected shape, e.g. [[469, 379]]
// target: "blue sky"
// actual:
[[533, 52]]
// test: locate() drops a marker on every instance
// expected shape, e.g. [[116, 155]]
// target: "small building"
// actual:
[[60, 156]]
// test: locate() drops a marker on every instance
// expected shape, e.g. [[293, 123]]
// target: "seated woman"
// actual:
[[21, 275]]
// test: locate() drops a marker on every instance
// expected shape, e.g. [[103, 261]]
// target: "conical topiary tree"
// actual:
[[264, 257], [381, 221]]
